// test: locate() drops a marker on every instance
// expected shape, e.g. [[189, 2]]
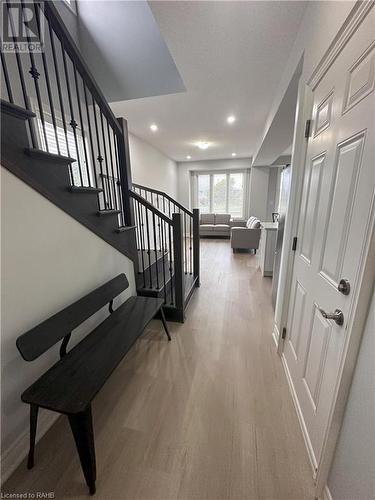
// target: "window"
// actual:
[[52, 148], [204, 193], [221, 193], [236, 195]]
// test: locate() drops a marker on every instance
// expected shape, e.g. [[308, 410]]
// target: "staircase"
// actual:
[[167, 236], [60, 136]]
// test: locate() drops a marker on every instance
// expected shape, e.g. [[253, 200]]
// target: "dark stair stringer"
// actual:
[[49, 175]]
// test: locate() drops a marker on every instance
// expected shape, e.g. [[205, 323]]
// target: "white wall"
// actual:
[[353, 471], [259, 180], [48, 260], [320, 24], [152, 168], [273, 191], [185, 169]]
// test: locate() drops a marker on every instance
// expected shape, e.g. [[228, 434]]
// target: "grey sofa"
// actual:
[[214, 225], [248, 237]]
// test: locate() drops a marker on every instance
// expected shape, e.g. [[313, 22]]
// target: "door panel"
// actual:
[[346, 169], [337, 202], [316, 355]]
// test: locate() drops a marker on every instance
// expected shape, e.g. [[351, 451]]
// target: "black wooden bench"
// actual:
[[70, 385]]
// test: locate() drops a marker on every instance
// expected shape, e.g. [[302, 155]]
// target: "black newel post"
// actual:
[[196, 251], [125, 173], [179, 275]]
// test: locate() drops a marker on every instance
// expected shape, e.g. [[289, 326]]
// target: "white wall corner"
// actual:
[[275, 334], [326, 495]]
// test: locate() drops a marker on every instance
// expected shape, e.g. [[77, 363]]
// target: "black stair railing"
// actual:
[[164, 263], [73, 118], [190, 226]]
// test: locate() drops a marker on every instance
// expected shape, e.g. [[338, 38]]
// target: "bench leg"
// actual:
[[164, 324], [33, 424], [81, 425]]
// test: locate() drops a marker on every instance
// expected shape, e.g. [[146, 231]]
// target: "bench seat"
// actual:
[[72, 383]]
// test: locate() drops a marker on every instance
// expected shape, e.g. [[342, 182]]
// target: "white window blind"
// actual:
[[65, 144]]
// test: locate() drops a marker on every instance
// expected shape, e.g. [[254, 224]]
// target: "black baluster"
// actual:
[[170, 260], [162, 224], [90, 132], [72, 122], [6, 75], [156, 249], [47, 79], [82, 124], [141, 233], [99, 157], [148, 246], [114, 179], [106, 161], [185, 243], [21, 74], [136, 222], [118, 183], [190, 244], [61, 100]]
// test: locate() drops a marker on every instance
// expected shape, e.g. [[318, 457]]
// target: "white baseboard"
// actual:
[[326, 494], [17, 452], [301, 420], [276, 335]]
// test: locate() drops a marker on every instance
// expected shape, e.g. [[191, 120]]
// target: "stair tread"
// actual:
[[85, 189], [44, 155], [122, 229], [17, 111], [108, 212]]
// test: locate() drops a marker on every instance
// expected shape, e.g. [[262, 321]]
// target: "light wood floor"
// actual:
[[207, 416]]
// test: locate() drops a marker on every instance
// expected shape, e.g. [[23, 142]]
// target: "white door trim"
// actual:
[[303, 113], [366, 275]]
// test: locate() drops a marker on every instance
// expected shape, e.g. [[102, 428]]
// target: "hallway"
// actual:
[[207, 416]]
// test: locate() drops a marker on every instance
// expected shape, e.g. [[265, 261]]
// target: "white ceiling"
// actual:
[[230, 56]]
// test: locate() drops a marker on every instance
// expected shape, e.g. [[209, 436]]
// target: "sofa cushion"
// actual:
[[222, 227], [255, 224], [207, 227], [207, 219], [222, 218], [250, 221]]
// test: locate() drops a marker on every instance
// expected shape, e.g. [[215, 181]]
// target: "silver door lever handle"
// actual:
[[337, 316]]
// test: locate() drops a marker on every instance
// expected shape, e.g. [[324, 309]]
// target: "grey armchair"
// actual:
[[246, 238]]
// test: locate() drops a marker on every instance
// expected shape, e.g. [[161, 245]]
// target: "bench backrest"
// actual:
[[42, 337]]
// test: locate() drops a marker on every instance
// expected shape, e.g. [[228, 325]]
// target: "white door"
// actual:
[[334, 226]]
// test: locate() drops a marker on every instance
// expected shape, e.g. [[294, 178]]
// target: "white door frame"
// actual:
[[366, 279], [299, 148]]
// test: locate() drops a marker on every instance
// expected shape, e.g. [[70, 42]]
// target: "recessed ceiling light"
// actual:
[[203, 145], [231, 119], [154, 127], [188, 157], [234, 154]]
